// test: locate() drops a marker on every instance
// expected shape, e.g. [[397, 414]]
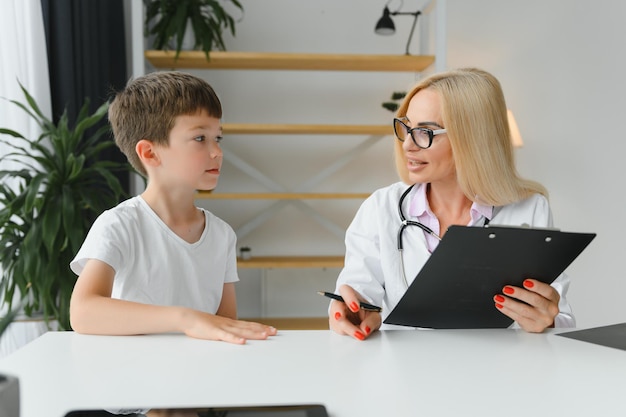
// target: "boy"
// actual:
[[157, 263]]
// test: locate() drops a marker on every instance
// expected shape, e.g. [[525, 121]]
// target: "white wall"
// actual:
[[561, 64]]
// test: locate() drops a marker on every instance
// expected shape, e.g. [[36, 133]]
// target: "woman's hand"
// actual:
[[348, 318], [533, 307]]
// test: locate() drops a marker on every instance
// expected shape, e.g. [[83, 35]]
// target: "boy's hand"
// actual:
[[209, 326]]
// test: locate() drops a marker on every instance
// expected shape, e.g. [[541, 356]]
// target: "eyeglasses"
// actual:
[[422, 136]]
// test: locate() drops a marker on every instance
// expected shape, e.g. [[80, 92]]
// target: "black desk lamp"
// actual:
[[385, 25]]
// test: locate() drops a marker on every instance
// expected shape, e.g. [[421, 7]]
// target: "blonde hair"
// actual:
[[148, 106], [475, 115]]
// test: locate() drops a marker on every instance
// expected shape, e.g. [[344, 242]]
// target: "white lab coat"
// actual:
[[372, 263]]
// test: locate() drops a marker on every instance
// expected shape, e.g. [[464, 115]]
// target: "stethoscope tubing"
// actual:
[[405, 222]]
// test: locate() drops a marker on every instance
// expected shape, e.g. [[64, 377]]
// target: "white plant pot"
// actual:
[[188, 39], [9, 396], [22, 331]]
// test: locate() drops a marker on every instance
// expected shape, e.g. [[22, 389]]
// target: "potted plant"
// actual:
[[393, 105], [167, 21], [9, 385], [48, 205]]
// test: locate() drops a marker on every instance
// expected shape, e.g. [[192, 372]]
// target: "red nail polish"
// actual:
[[367, 329], [499, 305], [359, 335], [499, 298], [354, 306], [508, 290], [337, 315], [528, 284]]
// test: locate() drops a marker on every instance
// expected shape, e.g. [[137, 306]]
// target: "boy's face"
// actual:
[[193, 157]]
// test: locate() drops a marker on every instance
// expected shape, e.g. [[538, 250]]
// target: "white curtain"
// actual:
[[23, 59]]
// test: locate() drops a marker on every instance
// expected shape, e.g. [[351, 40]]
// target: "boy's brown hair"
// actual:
[[148, 106]]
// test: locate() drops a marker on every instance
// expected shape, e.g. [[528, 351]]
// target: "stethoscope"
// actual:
[[404, 223]]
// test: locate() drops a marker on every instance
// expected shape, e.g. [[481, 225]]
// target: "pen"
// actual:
[[364, 306]]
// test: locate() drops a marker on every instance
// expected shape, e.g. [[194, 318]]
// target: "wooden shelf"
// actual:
[[289, 61], [291, 262], [209, 195], [304, 129], [293, 323]]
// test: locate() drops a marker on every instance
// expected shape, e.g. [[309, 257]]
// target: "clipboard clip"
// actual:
[[523, 226]]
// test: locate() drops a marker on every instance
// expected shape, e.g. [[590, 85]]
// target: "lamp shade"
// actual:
[[385, 25], [516, 136]]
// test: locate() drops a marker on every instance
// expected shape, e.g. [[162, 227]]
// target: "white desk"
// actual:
[[396, 373]]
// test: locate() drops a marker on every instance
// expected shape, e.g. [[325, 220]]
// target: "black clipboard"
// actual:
[[455, 288]]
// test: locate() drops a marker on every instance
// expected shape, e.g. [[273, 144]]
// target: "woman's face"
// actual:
[[434, 164]]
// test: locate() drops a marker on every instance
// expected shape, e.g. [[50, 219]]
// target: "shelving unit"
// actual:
[[294, 61], [265, 262], [270, 61], [278, 196], [293, 129], [274, 61]]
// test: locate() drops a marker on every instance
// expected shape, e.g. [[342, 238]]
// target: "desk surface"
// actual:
[[395, 373]]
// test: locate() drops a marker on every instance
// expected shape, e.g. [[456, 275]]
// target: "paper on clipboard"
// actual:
[[455, 288]]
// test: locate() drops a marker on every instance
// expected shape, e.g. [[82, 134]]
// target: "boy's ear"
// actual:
[[147, 153]]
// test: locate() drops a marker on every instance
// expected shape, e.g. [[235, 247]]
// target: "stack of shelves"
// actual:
[[292, 61]]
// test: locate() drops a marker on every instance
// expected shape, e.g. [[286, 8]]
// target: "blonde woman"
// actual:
[[454, 155]]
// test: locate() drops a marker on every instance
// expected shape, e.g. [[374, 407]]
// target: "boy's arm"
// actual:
[[93, 311], [228, 305]]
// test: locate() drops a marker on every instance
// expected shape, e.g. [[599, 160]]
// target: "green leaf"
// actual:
[[76, 167], [85, 122], [392, 107], [11, 132], [33, 105], [33, 192], [8, 319], [51, 222], [74, 234]]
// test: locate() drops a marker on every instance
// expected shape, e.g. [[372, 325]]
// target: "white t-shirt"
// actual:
[[155, 266]]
